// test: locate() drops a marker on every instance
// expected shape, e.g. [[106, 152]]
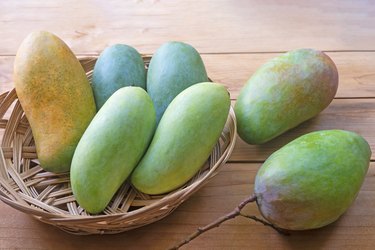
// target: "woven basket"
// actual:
[[25, 186]]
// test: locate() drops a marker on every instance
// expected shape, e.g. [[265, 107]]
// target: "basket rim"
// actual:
[[160, 203]]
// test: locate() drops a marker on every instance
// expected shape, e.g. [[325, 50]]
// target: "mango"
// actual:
[[56, 96], [174, 67], [111, 147], [184, 138], [285, 92], [117, 66], [312, 181]]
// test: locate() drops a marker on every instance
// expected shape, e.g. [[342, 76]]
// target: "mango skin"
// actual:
[[312, 181], [56, 96], [111, 147], [285, 92], [174, 67], [117, 66], [184, 138]]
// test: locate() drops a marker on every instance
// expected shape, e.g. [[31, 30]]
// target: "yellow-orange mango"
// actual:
[[56, 96]]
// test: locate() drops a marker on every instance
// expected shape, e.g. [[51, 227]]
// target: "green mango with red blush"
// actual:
[[285, 92], [312, 181]]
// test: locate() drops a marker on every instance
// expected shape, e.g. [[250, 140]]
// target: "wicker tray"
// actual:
[[48, 197]]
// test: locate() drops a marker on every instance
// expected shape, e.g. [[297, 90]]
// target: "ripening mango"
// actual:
[[285, 92], [312, 181], [56, 96]]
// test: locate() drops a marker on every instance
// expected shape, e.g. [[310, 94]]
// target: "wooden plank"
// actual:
[[210, 26], [6, 73], [355, 229], [236, 37], [356, 115], [356, 71]]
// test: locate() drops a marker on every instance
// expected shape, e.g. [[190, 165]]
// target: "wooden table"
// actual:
[[234, 38]]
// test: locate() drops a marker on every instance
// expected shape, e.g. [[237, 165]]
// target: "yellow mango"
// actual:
[[56, 96]]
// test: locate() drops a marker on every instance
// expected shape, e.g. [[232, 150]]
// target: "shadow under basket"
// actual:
[[48, 197]]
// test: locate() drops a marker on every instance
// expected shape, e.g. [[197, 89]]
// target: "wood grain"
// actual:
[[210, 26], [235, 38], [356, 115], [353, 230], [356, 71]]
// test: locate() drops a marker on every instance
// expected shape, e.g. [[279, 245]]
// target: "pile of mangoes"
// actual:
[[112, 129], [158, 127]]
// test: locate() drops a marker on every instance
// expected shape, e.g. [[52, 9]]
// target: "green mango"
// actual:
[[174, 67], [111, 147], [285, 92], [117, 66], [184, 138], [56, 96], [312, 181]]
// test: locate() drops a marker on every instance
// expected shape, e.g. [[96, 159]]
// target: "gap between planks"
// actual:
[[235, 53]]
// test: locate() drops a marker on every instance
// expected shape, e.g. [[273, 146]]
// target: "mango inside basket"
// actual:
[[25, 186]]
